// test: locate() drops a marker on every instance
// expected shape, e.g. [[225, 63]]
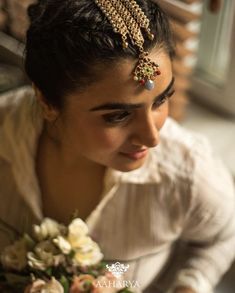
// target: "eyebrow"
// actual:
[[130, 106]]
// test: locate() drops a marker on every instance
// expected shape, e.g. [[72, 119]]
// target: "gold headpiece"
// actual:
[[127, 19]]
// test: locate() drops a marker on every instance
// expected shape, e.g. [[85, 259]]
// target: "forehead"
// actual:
[[117, 84]]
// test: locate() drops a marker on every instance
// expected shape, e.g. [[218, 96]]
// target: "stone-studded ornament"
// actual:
[[146, 71]]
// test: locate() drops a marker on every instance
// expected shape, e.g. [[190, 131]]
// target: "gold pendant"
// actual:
[[146, 71]]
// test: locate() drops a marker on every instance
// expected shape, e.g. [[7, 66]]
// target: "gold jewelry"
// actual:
[[127, 19]]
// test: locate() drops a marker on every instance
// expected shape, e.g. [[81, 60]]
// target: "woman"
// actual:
[[97, 140]]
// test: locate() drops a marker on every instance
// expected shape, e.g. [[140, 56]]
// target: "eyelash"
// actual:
[[116, 118], [163, 99], [122, 116]]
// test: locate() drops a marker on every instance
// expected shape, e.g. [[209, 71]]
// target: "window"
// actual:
[[214, 79]]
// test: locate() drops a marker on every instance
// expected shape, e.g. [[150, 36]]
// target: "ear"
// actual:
[[50, 113]]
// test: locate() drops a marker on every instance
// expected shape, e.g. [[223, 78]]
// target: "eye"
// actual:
[[117, 117], [163, 99]]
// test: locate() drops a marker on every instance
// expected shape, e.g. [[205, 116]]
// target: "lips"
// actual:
[[136, 154]]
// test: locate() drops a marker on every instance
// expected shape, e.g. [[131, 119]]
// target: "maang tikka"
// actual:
[[127, 19]]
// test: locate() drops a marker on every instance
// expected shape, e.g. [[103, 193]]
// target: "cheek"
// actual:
[[162, 115], [96, 135], [109, 138]]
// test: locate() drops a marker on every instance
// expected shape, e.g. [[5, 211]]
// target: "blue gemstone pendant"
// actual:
[[149, 85]]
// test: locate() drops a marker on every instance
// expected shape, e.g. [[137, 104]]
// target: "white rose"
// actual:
[[48, 229], [77, 229], [35, 287], [40, 286], [80, 242], [15, 256], [63, 244], [45, 255], [87, 253], [53, 287], [36, 263]]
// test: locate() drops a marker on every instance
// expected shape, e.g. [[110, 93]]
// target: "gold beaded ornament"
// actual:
[[127, 19]]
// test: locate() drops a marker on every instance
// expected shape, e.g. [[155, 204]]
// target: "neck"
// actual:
[[65, 156]]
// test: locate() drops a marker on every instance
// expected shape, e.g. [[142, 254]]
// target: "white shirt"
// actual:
[[172, 220]]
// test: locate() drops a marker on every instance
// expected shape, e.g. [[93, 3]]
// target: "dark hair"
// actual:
[[68, 41]]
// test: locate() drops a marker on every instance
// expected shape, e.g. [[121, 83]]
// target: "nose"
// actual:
[[145, 132]]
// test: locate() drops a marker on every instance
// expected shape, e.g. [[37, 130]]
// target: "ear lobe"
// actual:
[[50, 113]]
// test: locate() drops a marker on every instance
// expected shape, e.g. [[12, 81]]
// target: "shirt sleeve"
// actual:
[[209, 229]]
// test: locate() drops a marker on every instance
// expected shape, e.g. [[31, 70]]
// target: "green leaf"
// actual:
[[87, 285], [49, 271], [65, 283], [71, 254]]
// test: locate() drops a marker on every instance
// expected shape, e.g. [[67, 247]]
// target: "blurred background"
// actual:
[[204, 68]]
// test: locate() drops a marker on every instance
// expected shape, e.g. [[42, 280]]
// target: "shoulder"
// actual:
[[190, 160], [19, 119], [15, 107], [188, 157], [14, 99], [20, 127], [179, 150], [196, 176]]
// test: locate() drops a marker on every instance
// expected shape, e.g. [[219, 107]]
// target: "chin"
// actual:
[[129, 167]]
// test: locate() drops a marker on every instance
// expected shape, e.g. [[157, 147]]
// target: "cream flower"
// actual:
[[87, 253], [40, 286], [63, 244], [15, 256], [80, 242], [35, 287], [48, 229], [45, 255], [53, 287], [77, 229]]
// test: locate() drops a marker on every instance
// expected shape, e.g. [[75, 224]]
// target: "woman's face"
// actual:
[[115, 121]]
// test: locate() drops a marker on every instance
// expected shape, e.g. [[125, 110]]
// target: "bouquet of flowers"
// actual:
[[57, 259]]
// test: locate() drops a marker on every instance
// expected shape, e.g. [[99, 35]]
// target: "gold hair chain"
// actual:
[[127, 19]]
